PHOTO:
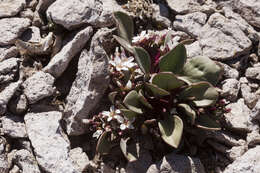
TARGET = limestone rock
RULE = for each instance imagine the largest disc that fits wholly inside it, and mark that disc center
(253, 138)
(25, 160)
(193, 49)
(8, 69)
(249, 96)
(10, 8)
(13, 126)
(80, 159)
(249, 10)
(229, 72)
(222, 39)
(38, 86)
(7, 94)
(189, 6)
(256, 111)
(11, 29)
(173, 163)
(247, 163)
(75, 13)
(253, 73)
(51, 145)
(4, 167)
(239, 116)
(60, 61)
(91, 81)
(8, 52)
(230, 89)
(190, 23)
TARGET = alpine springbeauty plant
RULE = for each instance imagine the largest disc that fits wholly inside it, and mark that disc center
(155, 87)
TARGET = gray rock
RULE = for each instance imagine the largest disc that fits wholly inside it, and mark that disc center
(43, 5)
(189, 6)
(222, 39)
(253, 138)
(60, 61)
(190, 23)
(7, 94)
(161, 14)
(230, 89)
(242, 23)
(27, 13)
(247, 163)
(193, 49)
(229, 72)
(253, 73)
(38, 86)
(51, 145)
(11, 29)
(256, 111)
(25, 160)
(249, 10)
(249, 96)
(18, 105)
(8, 70)
(173, 163)
(239, 116)
(75, 13)
(15, 169)
(13, 126)
(91, 81)
(8, 52)
(80, 159)
(4, 167)
(32, 34)
(10, 8)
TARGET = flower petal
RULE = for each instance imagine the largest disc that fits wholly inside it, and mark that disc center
(105, 113)
(122, 126)
(119, 118)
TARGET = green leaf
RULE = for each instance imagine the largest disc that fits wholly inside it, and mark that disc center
(143, 59)
(124, 43)
(187, 110)
(167, 81)
(104, 144)
(131, 101)
(143, 100)
(128, 114)
(156, 91)
(129, 156)
(202, 93)
(125, 25)
(174, 60)
(202, 69)
(171, 129)
(206, 122)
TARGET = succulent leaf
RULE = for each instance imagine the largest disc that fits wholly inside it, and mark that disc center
(174, 60)
(124, 43)
(156, 91)
(202, 93)
(171, 129)
(202, 69)
(168, 37)
(167, 81)
(143, 59)
(187, 110)
(143, 100)
(206, 122)
(131, 101)
(128, 113)
(125, 25)
(124, 148)
(103, 145)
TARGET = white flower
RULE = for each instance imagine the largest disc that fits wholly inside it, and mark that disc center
(113, 114)
(97, 133)
(127, 124)
(121, 61)
(140, 37)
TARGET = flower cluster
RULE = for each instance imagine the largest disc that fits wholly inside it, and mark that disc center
(110, 121)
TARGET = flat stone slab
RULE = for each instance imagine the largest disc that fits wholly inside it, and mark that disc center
(51, 145)
(11, 29)
(10, 8)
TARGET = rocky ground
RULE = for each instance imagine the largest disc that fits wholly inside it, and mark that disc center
(53, 77)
